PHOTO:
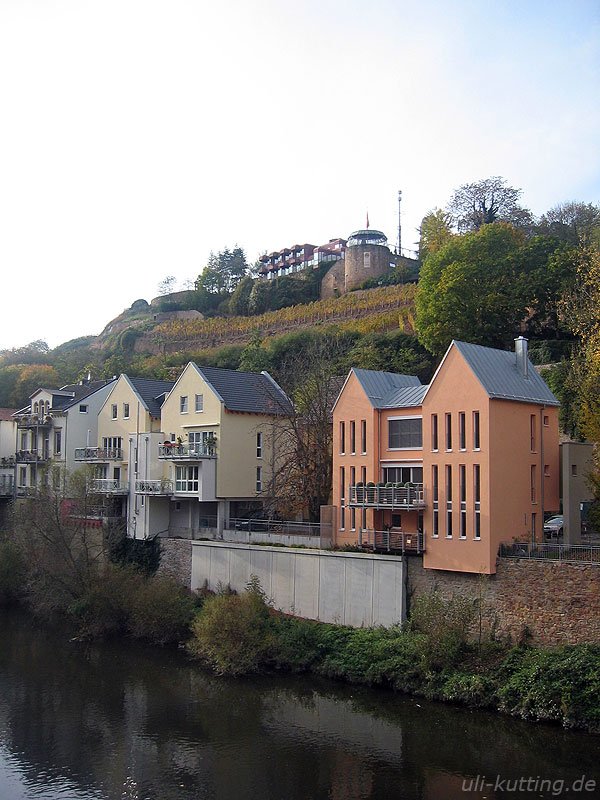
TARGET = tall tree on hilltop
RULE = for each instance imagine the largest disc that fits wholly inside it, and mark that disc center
(575, 223)
(223, 271)
(486, 201)
(436, 231)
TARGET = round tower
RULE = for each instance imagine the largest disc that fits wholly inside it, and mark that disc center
(367, 256)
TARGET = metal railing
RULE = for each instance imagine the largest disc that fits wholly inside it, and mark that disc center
(155, 487)
(28, 456)
(276, 526)
(392, 541)
(388, 495)
(7, 461)
(98, 454)
(186, 451)
(108, 486)
(32, 421)
(564, 553)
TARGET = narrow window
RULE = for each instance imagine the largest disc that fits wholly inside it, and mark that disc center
(353, 519)
(259, 479)
(448, 431)
(363, 436)
(57, 442)
(462, 491)
(435, 492)
(342, 438)
(353, 437)
(462, 432)
(183, 404)
(547, 471)
(434, 431)
(113, 411)
(546, 421)
(532, 432)
(363, 475)
(449, 501)
(259, 444)
(352, 476)
(125, 410)
(476, 431)
(477, 499)
(573, 470)
(533, 484)
(342, 484)
(199, 402)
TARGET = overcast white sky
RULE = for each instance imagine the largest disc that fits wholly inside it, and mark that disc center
(136, 135)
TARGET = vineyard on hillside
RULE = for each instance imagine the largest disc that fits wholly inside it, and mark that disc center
(385, 308)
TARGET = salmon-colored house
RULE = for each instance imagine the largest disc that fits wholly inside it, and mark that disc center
(452, 469)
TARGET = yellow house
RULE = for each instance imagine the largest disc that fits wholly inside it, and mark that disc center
(217, 448)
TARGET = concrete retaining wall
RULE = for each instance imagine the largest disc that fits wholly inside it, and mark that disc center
(354, 589)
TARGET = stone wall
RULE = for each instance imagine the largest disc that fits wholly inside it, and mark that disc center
(176, 560)
(553, 603)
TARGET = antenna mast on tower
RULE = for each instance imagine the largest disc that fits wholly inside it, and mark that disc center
(399, 222)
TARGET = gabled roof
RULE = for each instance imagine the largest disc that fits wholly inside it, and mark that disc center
(499, 375)
(151, 392)
(380, 386)
(405, 398)
(7, 413)
(250, 392)
(77, 393)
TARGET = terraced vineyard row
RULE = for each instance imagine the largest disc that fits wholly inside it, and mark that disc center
(371, 310)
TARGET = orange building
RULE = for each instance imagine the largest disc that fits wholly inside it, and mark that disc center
(452, 469)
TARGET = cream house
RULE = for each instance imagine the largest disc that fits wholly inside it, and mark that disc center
(217, 448)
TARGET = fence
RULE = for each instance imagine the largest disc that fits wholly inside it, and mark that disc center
(392, 541)
(568, 554)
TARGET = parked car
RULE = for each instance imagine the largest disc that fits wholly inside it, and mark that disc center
(553, 527)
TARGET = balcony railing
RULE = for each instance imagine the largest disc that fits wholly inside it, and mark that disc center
(33, 421)
(157, 487)
(565, 553)
(7, 486)
(7, 461)
(108, 486)
(387, 495)
(186, 452)
(32, 456)
(98, 454)
(392, 541)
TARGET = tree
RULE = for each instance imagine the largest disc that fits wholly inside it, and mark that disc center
(486, 201)
(469, 290)
(436, 231)
(167, 285)
(575, 223)
(239, 300)
(223, 271)
(32, 377)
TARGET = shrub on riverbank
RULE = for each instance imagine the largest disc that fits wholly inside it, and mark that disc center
(12, 572)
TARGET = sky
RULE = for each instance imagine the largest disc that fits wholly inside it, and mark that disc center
(137, 136)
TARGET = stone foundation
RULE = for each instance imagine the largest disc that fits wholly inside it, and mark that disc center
(549, 602)
(176, 560)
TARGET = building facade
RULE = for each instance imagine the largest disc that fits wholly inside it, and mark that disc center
(454, 468)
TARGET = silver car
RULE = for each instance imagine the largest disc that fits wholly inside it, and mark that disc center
(553, 527)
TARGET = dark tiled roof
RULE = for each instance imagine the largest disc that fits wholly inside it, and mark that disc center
(497, 372)
(79, 392)
(380, 386)
(152, 392)
(251, 392)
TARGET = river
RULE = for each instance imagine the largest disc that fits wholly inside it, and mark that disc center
(118, 720)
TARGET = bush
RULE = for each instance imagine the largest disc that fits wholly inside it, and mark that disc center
(103, 609)
(12, 573)
(446, 625)
(233, 634)
(161, 611)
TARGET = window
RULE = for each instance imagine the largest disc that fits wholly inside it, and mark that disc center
(408, 474)
(342, 498)
(259, 485)
(83, 409)
(353, 519)
(449, 501)
(367, 260)
(22, 476)
(476, 431)
(187, 479)
(353, 437)
(57, 442)
(113, 411)
(573, 470)
(546, 421)
(363, 474)
(532, 432)
(547, 470)
(434, 431)
(183, 404)
(533, 484)
(435, 492)
(199, 402)
(462, 431)
(352, 476)
(448, 431)
(462, 492)
(112, 445)
(125, 410)
(342, 438)
(259, 445)
(477, 499)
(405, 433)
(23, 440)
(363, 436)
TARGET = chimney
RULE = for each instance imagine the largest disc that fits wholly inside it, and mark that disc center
(521, 356)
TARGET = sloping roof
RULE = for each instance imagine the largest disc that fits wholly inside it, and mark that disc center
(405, 398)
(250, 392)
(78, 392)
(6, 413)
(381, 386)
(497, 372)
(151, 392)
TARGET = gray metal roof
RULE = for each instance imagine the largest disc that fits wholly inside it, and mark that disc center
(497, 372)
(80, 392)
(380, 386)
(405, 398)
(152, 392)
(250, 392)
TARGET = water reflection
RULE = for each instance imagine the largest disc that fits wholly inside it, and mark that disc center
(113, 721)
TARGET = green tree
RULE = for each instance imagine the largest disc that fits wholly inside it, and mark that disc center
(486, 201)
(223, 271)
(239, 300)
(436, 231)
(575, 223)
(469, 290)
(32, 377)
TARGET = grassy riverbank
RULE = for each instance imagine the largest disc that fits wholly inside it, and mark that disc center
(433, 656)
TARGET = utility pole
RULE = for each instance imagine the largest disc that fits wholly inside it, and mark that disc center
(399, 222)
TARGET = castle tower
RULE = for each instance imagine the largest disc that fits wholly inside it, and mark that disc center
(367, 256)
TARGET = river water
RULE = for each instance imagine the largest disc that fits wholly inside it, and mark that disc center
(121, 721)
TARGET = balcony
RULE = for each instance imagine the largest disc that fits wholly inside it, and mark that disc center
(108, 486)
(186, 452)
(159, 488)
(98, 454)
(7, 486)
(399, 496)
(32, 456)
(392, 541)
(33, 421)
